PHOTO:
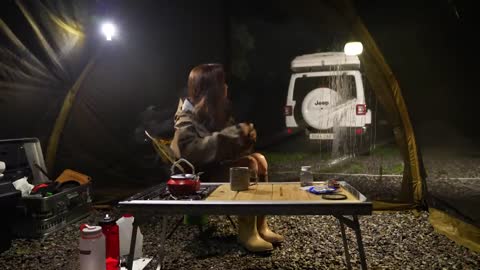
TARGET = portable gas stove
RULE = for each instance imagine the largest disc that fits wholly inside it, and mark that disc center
(160, 193)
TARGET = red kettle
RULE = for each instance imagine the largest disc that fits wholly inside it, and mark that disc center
(184, 183)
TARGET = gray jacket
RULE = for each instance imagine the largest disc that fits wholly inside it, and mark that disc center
(194, 142)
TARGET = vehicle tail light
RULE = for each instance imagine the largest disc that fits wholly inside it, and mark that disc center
(288, 110)
(289, 131)
(358, 131)
(361, 109)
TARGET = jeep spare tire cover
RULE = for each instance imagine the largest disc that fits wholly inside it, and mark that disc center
(318, 106)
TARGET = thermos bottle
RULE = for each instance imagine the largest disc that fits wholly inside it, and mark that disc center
(92, 248)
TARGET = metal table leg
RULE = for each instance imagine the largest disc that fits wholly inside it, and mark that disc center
(345, 245)
(358, 233)
(133, 240)
(233, 223)
(161, 254)
(175, 228)
(354, 225)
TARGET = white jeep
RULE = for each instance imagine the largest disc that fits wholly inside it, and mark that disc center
(326, 98)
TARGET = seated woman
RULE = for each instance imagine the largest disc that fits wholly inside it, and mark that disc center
(206, 135)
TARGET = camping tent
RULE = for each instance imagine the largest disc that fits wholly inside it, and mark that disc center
(68, 86)
(62, 83)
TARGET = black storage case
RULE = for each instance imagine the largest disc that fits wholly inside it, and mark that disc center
(36, 216)
(9, 198)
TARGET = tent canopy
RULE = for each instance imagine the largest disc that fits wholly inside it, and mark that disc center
(82, 96)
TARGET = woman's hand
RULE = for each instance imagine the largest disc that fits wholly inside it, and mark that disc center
(248, 131)
(253, 134)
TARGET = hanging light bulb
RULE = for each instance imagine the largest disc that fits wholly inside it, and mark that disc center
(353, 48)
(109, 30)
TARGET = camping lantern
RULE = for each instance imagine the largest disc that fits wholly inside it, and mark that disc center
(353, 48)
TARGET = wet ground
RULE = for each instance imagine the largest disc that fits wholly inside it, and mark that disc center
(452, 164)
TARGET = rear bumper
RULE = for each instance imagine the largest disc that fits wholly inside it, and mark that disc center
(330, 134)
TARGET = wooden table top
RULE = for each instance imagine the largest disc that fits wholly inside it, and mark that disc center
(272, 198)
(273, 192)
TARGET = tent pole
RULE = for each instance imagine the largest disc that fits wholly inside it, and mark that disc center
(388, 91)
(63, 115)
(413, 183)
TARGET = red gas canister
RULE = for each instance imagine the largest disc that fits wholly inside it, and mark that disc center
(112, 243)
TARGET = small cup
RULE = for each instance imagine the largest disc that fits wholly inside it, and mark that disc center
(239, 178)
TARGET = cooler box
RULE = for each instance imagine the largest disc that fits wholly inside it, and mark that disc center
(36, 215)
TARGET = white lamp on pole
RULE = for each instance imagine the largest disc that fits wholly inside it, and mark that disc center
(353, 48)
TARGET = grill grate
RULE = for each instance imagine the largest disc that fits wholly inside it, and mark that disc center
(161, 193)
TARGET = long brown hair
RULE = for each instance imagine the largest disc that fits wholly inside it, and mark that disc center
(206, 90)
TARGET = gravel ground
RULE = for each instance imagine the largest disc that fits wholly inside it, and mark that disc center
(453, 175)
(392, 241)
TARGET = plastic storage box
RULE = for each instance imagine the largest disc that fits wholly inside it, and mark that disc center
(37, 216)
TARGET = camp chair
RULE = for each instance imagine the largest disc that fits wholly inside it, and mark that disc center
(162, 148)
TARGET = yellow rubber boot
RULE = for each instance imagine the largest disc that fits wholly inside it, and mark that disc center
(265, 232)
(248, 236)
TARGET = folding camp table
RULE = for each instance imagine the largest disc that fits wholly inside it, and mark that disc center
(262, 199)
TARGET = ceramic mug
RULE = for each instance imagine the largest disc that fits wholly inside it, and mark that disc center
(239, 178)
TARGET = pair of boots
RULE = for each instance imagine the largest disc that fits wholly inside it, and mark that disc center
(255, 235)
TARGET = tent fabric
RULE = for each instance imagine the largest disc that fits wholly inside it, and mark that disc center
(63, 117)
(463, 233)
(389, 95)
(47, 58)
(392, 206)
(388, 92)
(40, 65)
(52, 81)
